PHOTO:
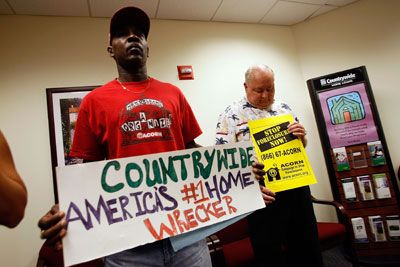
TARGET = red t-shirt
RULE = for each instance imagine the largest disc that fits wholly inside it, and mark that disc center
(152, 117)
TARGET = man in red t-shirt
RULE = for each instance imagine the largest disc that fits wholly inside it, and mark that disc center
(129, 116)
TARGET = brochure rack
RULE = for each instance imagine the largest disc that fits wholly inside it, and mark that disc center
(357, 158)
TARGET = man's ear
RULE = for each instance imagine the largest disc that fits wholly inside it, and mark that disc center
(245, 85)
(110, 51)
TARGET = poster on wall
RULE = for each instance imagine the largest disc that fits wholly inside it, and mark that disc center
(348, 116)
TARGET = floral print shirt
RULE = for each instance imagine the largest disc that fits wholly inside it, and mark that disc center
(232, 123)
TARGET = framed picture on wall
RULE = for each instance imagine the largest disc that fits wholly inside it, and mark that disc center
(62, 109)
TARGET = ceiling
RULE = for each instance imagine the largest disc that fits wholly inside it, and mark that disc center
(274, 12)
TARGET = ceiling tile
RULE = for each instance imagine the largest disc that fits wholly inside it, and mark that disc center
(340, 2)
(243, 11)
(5, 8)
(323, 10)
(106, 8)
(50, 7)
(187, 9)
(277, 12)
(316, 2)
(289, 13)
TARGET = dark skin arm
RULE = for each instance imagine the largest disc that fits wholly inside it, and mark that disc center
(13, 194)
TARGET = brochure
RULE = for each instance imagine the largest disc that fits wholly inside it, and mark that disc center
(365, 187)
(381, 184)
(342, 161)
(377, 228)
(393, 226)
(360, 234)
(376, 153)
(348, 189)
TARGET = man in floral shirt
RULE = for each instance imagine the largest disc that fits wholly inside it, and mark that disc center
(284, 233)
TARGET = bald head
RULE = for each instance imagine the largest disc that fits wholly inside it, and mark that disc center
(260, 86)
(251, 71)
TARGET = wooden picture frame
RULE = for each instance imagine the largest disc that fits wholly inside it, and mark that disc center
(62, 110)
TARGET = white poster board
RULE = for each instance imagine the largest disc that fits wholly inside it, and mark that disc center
(119, 204)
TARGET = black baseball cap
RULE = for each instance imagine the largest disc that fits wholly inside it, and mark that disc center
(129, 16)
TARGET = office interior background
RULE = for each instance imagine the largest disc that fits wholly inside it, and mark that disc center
(40, 52)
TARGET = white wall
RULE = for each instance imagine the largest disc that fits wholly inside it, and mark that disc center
(220, 54)
(46, 52)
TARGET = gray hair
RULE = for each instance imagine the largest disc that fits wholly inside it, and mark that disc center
(250, 71)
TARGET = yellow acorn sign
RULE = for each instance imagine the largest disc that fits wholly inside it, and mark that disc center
(283, 154)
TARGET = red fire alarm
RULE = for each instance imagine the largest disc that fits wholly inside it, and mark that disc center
(185, 72)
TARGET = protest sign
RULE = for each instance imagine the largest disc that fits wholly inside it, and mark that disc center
(283, 154)
(119, 204)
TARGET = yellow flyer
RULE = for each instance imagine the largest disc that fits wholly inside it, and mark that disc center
(283, 154)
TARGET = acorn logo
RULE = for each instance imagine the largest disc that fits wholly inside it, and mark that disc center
(273, 174)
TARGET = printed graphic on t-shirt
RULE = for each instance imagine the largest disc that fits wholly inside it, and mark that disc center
(145, 120)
